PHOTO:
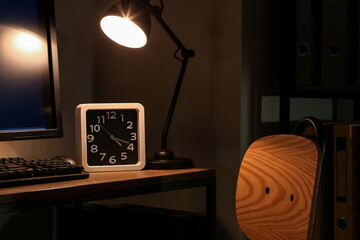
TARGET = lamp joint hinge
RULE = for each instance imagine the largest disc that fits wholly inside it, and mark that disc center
(187, 53)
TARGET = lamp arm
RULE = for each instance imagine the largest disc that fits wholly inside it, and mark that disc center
(156, 12)
(186, 54)
(173, 103)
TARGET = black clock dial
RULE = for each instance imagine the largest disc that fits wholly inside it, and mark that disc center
(112, 137)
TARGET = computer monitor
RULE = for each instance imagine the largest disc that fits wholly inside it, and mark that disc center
(29, 74)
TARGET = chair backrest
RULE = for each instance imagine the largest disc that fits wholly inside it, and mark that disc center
(277, 187)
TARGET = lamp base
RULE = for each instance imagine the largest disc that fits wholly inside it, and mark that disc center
(166, 160)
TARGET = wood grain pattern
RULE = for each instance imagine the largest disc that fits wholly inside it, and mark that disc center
(275, 187)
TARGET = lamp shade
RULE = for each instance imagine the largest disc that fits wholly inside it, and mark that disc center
(127, 23)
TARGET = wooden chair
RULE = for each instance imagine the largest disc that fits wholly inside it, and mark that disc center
(277, 187)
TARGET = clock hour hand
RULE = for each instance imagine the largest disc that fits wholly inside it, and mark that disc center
(118, 139)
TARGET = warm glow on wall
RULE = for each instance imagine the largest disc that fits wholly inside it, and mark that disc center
(23, 53)
(27, 42)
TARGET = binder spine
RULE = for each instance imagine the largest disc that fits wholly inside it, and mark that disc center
(346, 181)
(354, 54)
(356, 20)
(336, 42)
(305, 42)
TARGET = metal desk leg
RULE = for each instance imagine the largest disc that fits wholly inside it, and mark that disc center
(211, 210)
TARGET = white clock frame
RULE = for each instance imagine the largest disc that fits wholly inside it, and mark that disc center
(81, 136)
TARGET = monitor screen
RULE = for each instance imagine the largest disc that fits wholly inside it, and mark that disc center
(29, 77)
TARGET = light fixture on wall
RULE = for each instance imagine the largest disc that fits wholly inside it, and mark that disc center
(128, 23)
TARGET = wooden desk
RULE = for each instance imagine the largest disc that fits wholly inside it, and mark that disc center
(100, 186)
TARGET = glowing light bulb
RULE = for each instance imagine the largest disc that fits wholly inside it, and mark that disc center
(27, 42)
(123, 31)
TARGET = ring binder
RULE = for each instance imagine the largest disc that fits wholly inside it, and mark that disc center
(335, 49)
(305, 42)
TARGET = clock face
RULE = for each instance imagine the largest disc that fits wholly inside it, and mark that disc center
(112, 137)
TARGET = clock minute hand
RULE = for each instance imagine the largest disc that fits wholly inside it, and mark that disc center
(105, 130)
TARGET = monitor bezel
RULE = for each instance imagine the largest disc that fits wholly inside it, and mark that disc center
(57, 130)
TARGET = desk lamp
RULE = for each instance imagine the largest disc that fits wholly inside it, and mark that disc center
(128, 23)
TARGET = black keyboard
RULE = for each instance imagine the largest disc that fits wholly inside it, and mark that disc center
(19, 171)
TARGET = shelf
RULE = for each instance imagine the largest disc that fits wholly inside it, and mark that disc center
(328, 88)
(322, 91)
